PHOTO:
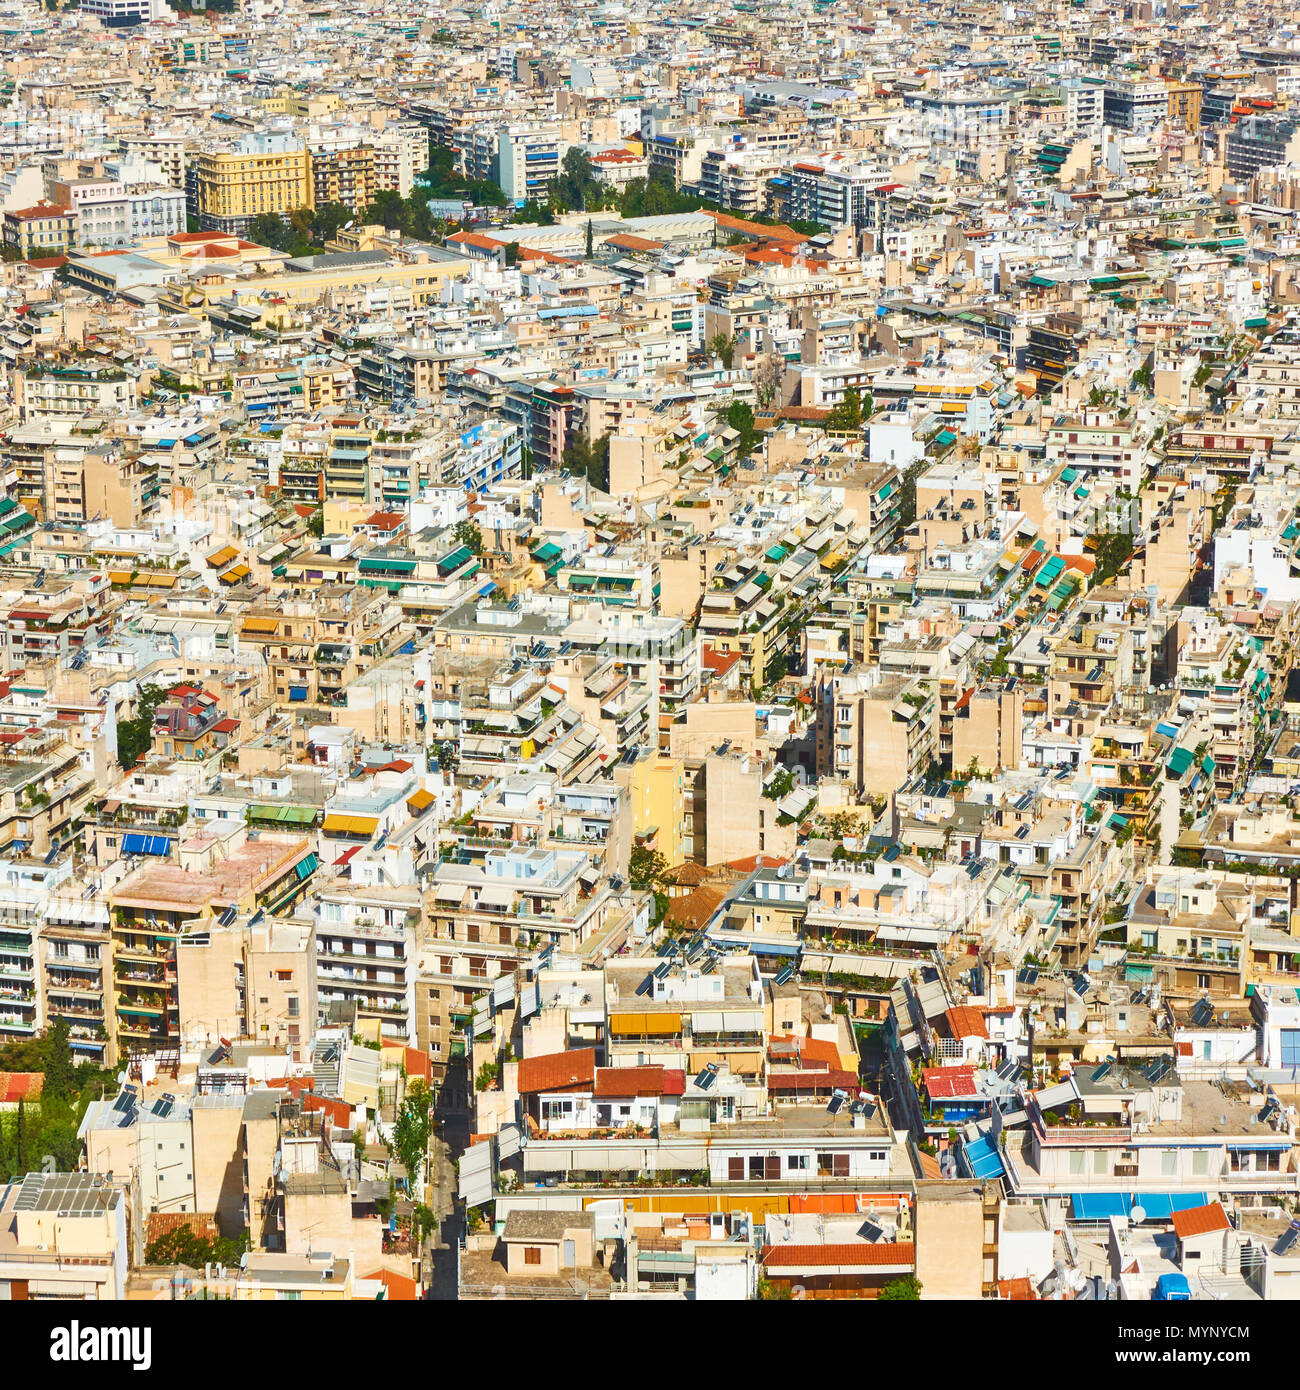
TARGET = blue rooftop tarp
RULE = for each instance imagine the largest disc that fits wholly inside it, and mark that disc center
(984, 1159)
(1099, 1206)
(297, 692)
(772, 948)
(1156, 1206)
(1160, 1206)
(146, 844)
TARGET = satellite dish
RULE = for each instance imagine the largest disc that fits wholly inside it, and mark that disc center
(1138, 1215)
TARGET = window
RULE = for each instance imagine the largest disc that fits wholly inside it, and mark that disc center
(1076, 1162)
(1290, 1047)
(796, 1163)
(735, 1170)
(292, 1004)
(832, 1165)
(1168, 1163)
(1100, 1163)
(1200, 1163)
(532, 1254)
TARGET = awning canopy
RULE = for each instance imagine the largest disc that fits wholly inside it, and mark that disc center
(338, 824)
(146, 844)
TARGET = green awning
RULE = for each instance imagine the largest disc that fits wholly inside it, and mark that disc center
(547, 552)
(305, 867)
(455, 560)
(371, 564)
(1207, 766)
(1068, 475)
(714, 456)
(776, 553)
(1180, 760)
(944, 438)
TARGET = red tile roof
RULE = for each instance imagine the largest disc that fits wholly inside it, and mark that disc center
(398, 1288)
(339, 1111)
(558, 1071)
(1018, 1290)
(965, 1022)
(20, 1085)
(816, 1054)
(811, 1081)
(1201, 1221)
(883, 1252)
(943, 1083)
(629, 1081)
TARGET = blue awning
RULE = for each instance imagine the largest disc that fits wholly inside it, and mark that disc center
(771, 948)
(984, 1159)
(306, 867)
(297, 692)
(407, 648)
(1160, 1206)
(1169, 730)
(488, 588)
(1099, 1206)
(146, 844)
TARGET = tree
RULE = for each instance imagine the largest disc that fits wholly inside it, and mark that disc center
(135, 735)
(848, 414)
(647, 869)
(411, 1131)
(390, 210)
(326, 220)
(468, 535)
(767, 377)
(535, 215)
(316, 523)
(740, 416)
(904, 1290)
(59, 1079)
(1113, 550)
(588, 460)
(720, 345)
(590, 238)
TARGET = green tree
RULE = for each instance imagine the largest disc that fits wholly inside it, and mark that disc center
(590, 239)
(60, 1081)
(535, 214)
(740, 416)
(468, 535)
(720, 345)
(904, 1290)
(411, 1131)
(647, 869)
(316, 523)
(135, 735)
(591, 461)
(848, 414)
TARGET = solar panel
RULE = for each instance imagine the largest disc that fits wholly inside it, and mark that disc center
(162, 1108)
(1102, 1072)
(1203, 1013)
(709, 966)
(1008, 1071)
(836, 1103)
(1028, 976)
(1082, 984)
(784, 975)
(1022, 832)
(228, 916)
(706, 1078)
(662, 969)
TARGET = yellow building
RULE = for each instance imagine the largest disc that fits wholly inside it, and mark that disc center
(343, 176)
(234, 187)
(656, 786)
